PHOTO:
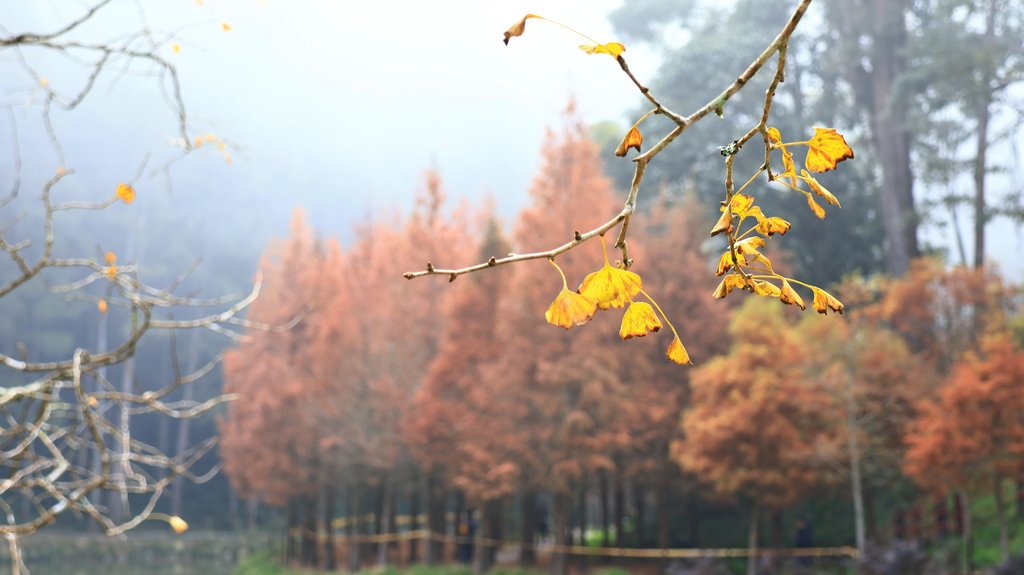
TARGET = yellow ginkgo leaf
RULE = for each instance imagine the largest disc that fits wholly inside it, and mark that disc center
(102, 306)
(176, 47)
(125, 192)
(611, 287)
(741, 204)
(638, 320)
(774, 136)
(613, 49)
(92, 402)
(773, 225)
(750, 245)
(724, 223)
(178, 524)
(110, 258)
(824, 301)
(677, 353)
(225, 26)
(632, 139)
(819, 189)
(766, 288)
(518, 28)
(789, 166)
(790, 297)
(725, 262)
(570, 308)
(826, 149)
(728, 283)
(815, 207)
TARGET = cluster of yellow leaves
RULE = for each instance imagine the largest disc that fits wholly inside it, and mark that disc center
(826, 149)
(746, 266)
(612, 287)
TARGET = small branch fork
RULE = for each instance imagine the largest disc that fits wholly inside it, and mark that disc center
(717, 105)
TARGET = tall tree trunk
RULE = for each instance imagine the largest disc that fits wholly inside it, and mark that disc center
(875, 90)
(855, 479)
(308, 553)
(560, 531)
(619, 509)
(328, 563)
(435, 519)
(1004, 532)
(968, 536)
(355, 511)
(495, 530)
(414, 520)
(527, 528)
(290, 550)
(1020, 491)
(984, 117)
(661, 511)
(479, 536)
(778, 527)
(252, 513)
(605, 519)
(641, 519)
(581, 505)
(693, 517)
(752, 540)
(384, 524)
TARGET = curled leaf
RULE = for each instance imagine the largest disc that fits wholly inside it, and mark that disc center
(638, 320)
(725, 262)
(790, 297)
(766, 288)
(826, 149)
(613, 49)
(518, 28)
(677, 353)
(773, 225)
(824, 301)
(632, 139)
(789, 166)
(774, 136)
(819, 189)
(724, 224)
(728, 283)
(815, 207)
